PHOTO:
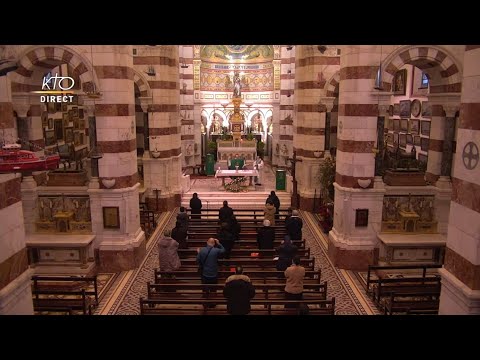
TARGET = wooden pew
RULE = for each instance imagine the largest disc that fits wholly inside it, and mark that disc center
(46, 282)
(419, 285)
(240, 252)
(62, 301)
(382, 271)
(218, 307)
(215, 291)
(426, 302)
(239, 214)
(256, 276)
(242, 244)
(249, 263)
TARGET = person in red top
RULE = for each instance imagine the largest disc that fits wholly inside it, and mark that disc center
(294, 275)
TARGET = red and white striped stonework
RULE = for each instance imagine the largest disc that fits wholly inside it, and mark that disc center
(357, 115)
(15, 293)
(190, 131)
(461, 273)
(163, 171)
(283, 132)
(7, 121)
(332, 90)
(115, 115)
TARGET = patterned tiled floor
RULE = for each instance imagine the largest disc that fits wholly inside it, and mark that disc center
(349, 293)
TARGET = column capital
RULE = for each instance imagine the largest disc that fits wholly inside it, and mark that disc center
(450, 110)
(89, 105)
(328, 102)
(21, 109)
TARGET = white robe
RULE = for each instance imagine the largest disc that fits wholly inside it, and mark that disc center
(258, 164)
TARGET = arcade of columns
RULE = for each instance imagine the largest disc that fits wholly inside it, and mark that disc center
(326, 99)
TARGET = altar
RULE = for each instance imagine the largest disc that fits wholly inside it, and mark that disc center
(234, 173)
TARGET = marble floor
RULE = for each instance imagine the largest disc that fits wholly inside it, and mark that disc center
(123, 296)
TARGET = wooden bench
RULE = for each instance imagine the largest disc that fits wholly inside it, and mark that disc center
(256, 276)
(426, 302)
(62, 301)
(218, 307)
(242, 244)
(244, 253)
(214, 291)
(239, 214)
(248, 263)
(381, 271)
(387, 286)
(52, 293)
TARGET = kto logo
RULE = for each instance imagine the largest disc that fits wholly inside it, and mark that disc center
(56, 85)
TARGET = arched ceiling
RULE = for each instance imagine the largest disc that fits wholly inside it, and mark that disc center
(236, 53)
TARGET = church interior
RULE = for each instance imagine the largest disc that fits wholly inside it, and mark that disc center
(372, 149)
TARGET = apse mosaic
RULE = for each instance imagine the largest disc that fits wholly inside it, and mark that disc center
(222, 80)
(243, 53)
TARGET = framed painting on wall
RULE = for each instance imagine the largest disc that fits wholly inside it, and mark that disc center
(400, 82)
(405, 108)
(395, 138)
(396, 124)
(425, 130)
(414, 126)
(50, 137)
(111, 217)
(396, 109)
(69, 134)
(404, 125)
(59, 129)
(416, 140)
(426, 109)
(361, 217)
(424, 143)
(402, 140)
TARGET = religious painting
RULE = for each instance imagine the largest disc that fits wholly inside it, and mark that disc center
(111, 217)
(426, 109)
(59, 129)
(75, 112)
(64, 107)
(414, 126)
(409, 139)
(400, 82)
(80, 113)
(50, 137)
(404, 125)
(69, 134)
(390, 110)
(416, 140)
(361, 217)
(396, 124)
(405, 108)
(76, 124)
(425, 128)
(81, 124)
(66, 120)
(402, 140)
(424, 143)
(396, 109)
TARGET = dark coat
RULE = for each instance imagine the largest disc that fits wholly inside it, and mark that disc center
(183, 219)
(238, 290)
(236, 228)
(286, 252)
(180, 235)
(276, 202)
(196, 205)
(265, 237)
(225, 214)
(227, 239)
(294, 227)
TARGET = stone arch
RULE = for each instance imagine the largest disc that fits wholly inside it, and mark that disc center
(444, 70)
(332, 85)
(142, 83)
(36, 60)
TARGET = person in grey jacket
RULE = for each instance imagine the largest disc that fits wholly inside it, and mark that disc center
(182, 217)
(167, 253)
(207, 259)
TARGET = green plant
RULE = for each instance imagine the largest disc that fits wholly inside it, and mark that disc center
(327, 178)
(260, 148)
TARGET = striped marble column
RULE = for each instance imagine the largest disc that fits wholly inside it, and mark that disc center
(461, 273)
(35, 130)
(353, 247)
(15, 290)
(163, 168)
(121, 245)
(283, 127)
(8, 132)
(310, 119)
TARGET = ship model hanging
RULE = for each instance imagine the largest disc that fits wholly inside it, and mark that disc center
(13, 159)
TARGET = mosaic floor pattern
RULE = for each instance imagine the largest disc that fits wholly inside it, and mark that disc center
(350, 296)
